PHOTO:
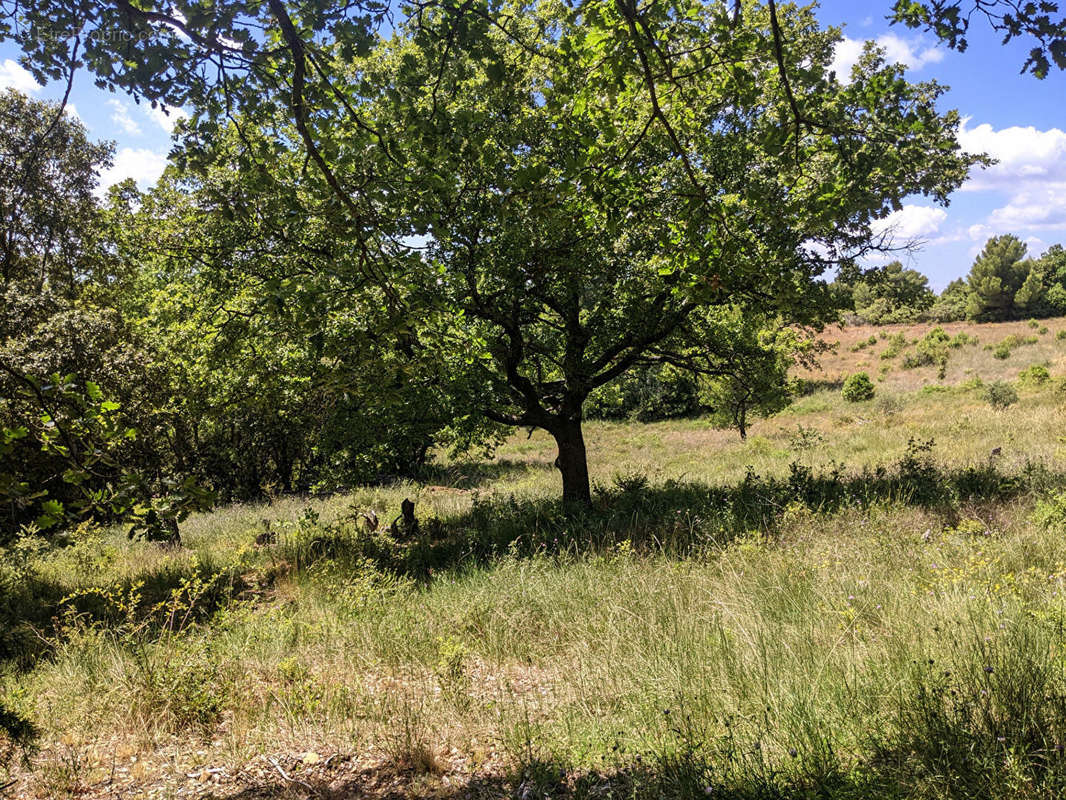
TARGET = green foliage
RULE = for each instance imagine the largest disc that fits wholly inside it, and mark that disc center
(48, 171)
(891, 294)
(572, 237)
(657, 391)
(1050, 512)
(1035, 375)
(951, 305)
(68, 460)
(857, 388)
(754, 379)
(995, 277)
(896, 344)
(931, 349)
(1000, 395)
(1039, 25)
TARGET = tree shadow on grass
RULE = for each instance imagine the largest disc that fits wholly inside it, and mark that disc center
(475, 474)
(676, 518)
(170, 595)
(684, 518)
(686, 774)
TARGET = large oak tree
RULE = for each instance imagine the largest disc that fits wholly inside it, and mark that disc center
(544, 195)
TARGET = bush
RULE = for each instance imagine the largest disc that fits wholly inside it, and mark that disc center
(931, 349)
(1050, 512)
(896, 343)
(1036, 375)
(857, 388)
(1060, 335)
(1001, 351)
(1000, 395)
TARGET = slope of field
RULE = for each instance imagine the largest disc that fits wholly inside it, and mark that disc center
(861, 600)
(854, 352)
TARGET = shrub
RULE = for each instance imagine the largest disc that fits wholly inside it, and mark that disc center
(1001, 351)
(1050, 513)
(1000, 395)
(858, 387)
(1043, 330)
(1035, 375)
(934, 388)
(1060, 335)
(931, 349)
(1033, 324)
(896, 343)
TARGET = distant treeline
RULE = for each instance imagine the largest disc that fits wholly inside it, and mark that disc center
(1003, 284)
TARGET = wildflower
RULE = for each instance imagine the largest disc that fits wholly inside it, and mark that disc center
(708, 790)
(989, 670)
(792, 751)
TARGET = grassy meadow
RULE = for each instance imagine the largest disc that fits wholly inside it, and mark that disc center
(860, 600)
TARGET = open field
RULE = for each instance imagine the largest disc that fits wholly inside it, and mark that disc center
(834, 607)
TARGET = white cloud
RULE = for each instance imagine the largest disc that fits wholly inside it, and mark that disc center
(166, 121)
(121, 117)
(13, 76)
(898, 50)
(910, 223)
(1030, 171)
(143, 165)
(1036, 208)
(71, 111)
(1025, 155)
(1036, 246)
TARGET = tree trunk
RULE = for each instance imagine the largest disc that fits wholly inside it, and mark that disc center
(572, 464)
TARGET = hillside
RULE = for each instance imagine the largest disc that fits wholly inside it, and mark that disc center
(853, 352)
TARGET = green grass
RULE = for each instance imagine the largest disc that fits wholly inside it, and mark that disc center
(862, 619)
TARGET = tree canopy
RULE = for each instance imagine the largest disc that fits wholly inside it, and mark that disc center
(523, 201)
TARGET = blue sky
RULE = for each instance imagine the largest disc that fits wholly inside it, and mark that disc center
(1016, 118)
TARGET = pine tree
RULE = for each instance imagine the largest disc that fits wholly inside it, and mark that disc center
(995, 278)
